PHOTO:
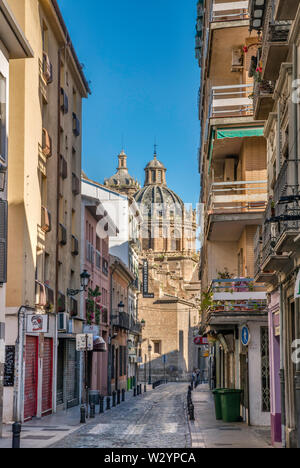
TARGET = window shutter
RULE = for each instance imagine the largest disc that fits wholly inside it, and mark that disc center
(125, 360)
(3, 242)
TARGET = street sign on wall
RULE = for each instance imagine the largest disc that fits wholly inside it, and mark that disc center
(85, 342)
(245, 335)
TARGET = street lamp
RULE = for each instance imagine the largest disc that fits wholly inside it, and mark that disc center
(3, 170)
(149, 351)
(121, 307)
(84, 282)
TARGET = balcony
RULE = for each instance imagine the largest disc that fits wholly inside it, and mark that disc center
(271, 261)
(275, 43)
(229, 11)
(75, 246)
(135, 327)
(237, 197)
(287, 209)
(235, 299)
(47, 69)
(62, 235)
(76, 125)
(63, 167)
(286, 9)
(46, 225)
(259, 275)
(73, 308)
(231, 101)
(61, 302)
(46, 144)
(64, 101)
(263, 102)
(121, 320)
(75, 185)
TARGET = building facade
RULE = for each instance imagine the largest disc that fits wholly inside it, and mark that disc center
(169, 274)
(276, 103)
(13, 46)
(44, 209)
(233, 168)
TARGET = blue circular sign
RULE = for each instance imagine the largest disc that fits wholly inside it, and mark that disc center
(245, 336)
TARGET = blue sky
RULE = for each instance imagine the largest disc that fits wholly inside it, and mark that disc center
(139, 56)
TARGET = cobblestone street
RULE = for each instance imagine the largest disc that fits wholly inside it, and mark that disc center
(154, 420)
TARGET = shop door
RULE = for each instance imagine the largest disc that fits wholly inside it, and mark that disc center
(60, 373)
(72, 381)
(31, 377)
(47, 377)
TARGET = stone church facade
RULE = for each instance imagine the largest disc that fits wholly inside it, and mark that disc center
(168, 305)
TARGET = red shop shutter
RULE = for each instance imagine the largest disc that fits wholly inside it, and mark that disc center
(31, 377)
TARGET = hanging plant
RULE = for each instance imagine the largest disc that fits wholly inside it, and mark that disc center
(91, 310)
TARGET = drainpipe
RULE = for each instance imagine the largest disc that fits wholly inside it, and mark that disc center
(282, 373)
(295, 116)
(18, 404)
(62, 48)
(296, 143)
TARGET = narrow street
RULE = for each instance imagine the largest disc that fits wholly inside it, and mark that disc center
(155, 420)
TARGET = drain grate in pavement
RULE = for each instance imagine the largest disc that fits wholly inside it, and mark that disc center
(223, 445)
(33, 437)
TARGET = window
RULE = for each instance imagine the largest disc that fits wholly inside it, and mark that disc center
(157, 347)
(265, 370)
(3, 118)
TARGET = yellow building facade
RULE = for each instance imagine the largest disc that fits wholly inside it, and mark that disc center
(44, 213)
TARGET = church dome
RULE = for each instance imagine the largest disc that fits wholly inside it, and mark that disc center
(122, 180)
(155, 190)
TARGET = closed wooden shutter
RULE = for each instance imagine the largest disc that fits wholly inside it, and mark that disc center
(3, 242)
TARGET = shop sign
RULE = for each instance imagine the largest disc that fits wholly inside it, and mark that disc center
(91, 330)
(37, 323)
(297, 286)
(200, 341)
(146, 293)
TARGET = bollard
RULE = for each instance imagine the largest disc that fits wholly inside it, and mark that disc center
(101, 409)
(123, 394)
(16, 430)
(192, 412)
(108, 403)
(114, 399)
(141, 389)
(138, 390)
(82, 415)
(92, 411)
(145, 388)
(119, 397)
(134, 392)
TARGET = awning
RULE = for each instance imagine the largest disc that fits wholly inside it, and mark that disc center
(99, 345)
(240, 132)
(222, 133)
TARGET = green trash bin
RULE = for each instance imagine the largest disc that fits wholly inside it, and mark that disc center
(231, 405)
(218, 406)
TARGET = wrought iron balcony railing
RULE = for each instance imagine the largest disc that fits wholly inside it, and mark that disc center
(286, 198)
(120, 320)
(269, 233)
(263, 99)
(257, 251)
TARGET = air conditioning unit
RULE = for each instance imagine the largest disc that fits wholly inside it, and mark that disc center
(63, 322)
